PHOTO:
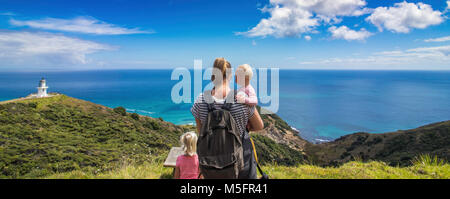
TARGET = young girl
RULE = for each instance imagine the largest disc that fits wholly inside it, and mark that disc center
(187, 164)
(246, 94)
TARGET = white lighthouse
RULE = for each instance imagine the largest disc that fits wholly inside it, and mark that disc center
(42, 89)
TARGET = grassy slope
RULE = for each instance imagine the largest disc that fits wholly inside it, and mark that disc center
(147, 170)
(39, 137)
(350, 170)
(360, 170)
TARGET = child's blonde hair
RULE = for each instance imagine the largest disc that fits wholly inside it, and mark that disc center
(243, 75)
(246, 69)
(189, 143)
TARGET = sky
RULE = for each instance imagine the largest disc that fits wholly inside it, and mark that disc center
(59, 35)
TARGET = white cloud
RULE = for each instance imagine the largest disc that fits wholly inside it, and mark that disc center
(334, 8)
(307, 37)
(417, 58)
(431, 51)
(293, 17)
(87, 25)
(404, 16)
(290, 58)
(440, 39)
(348, 34)
(29, 48)
(448, 6)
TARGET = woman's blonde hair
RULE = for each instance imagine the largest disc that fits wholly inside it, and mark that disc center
(189, 143)
(221, 65)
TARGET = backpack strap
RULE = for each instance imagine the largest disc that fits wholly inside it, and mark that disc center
(211, 107)
(264, 175)
(229, 100)
(207, 97)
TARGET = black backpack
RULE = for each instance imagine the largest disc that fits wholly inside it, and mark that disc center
(219, 146)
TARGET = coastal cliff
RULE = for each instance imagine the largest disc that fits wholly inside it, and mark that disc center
(278, 130)
(395, 148)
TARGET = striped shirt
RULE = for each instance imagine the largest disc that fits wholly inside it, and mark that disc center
(241, 113)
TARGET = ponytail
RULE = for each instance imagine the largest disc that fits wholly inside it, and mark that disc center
(189, 143)
(222, 65)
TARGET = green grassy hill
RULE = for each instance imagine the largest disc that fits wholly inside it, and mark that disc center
(41, 137)
(362, 170)
(424, 168)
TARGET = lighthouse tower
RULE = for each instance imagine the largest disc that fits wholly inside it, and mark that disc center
(42, 89)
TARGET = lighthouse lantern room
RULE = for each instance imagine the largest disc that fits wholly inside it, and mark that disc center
(42, 89)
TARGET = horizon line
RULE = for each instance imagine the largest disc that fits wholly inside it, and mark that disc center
(191, 68)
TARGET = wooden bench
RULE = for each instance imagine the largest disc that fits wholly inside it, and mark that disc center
(171, 159)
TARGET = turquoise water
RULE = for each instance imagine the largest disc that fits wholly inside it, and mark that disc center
(320, 104)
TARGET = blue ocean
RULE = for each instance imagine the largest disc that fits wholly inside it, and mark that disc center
(322, 105)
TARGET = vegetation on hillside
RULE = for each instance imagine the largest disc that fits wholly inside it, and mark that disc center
(60, 134)
(397, 148)
(360, 170)
(63, 137)
(268, 151)
(39, 137)
(127, 170)
(279, 131)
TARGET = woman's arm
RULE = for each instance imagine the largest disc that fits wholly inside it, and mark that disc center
(252, 99)
(256, 122)
(199, 125)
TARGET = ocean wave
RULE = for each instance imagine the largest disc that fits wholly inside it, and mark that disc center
(139, 111)
(293, 128)
(322, 140)
(148, 112)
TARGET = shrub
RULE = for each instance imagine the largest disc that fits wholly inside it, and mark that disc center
(32, 104)
(374, 141)
(428, 160)
(120, 110)
(152, 125)
(135, 116)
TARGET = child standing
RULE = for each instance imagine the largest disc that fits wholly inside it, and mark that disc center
(187, 166)
(246, 94)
